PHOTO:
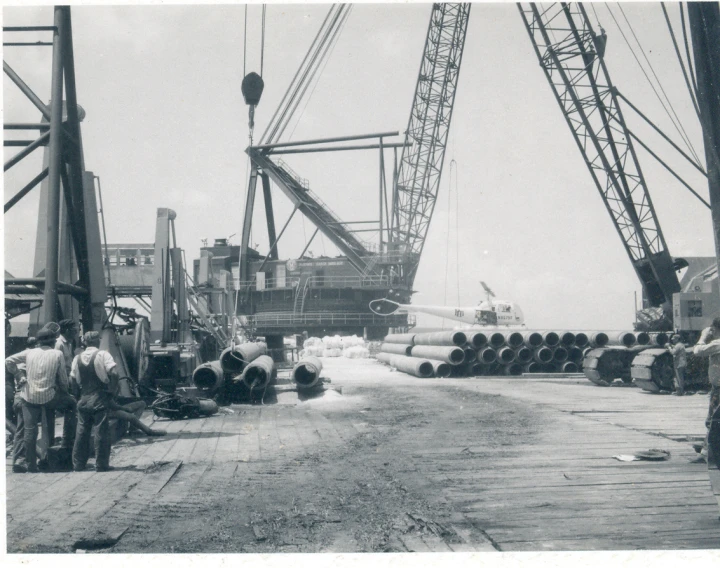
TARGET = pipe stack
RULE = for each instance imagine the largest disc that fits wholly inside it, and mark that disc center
(212, 376)
(510, 352)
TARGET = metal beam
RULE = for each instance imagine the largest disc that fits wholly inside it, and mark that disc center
(247, 224)
(269, 215)
(27, 91)
(323, 140)
(55, 163)
(342, 148)
(62, 287)
(25, 190)
(41, 141)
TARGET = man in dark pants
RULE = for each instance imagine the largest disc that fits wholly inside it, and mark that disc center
(18, 445)
(45, 387)
(91, 370)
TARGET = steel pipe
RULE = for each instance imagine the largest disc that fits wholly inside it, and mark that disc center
(551, 367)
(506, 355)
(659, 339)
(625, 338)
(550, 338)
(470, 355)
(487, 355)
(441, 369)
(533, 367)
(513, 369)
(476, 340)
(543, 354)
(575, 354)
(385, 358)
(396, 348)
(497, 339)
(234, 361)
(463, 370)
(523, 354)
(451, 355)
(209, 376)
(405, 338)
(599, 339)
(560, 354)
(438, 338)
(533, 339)
(642, 337)
(581, 339)
(478, 369)
(259, 373)
(306, 372)
(569, 367)
(421, 368)
(567, 338)
(514, 339)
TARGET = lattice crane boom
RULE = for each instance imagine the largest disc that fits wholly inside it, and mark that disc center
(421, 164)
(571, 54)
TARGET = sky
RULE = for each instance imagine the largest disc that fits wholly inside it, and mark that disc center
(166, 126)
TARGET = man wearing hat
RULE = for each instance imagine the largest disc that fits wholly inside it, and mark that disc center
(91, 370)
(677, 348)
(43, 386)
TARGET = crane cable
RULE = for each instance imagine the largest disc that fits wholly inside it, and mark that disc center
(262, 40)
(680, 59)
(679, 128)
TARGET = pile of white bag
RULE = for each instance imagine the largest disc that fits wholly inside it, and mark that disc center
(352, 347)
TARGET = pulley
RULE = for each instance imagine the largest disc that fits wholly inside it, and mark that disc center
(252, 88)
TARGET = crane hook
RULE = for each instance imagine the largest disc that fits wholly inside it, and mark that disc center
(252, 88)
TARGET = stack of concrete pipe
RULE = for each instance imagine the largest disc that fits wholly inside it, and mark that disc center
(245, 363)
(502, 351)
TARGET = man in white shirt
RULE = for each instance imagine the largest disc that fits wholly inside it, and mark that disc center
(43, 385)
(709, 346)
(64, 342)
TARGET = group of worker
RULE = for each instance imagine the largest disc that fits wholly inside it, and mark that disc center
(707, 346)
(49, 376)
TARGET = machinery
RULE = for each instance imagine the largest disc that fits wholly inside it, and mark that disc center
(331, 295)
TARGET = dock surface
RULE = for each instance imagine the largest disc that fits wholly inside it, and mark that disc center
(394, 464)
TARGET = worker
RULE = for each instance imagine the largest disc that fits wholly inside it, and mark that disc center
(64, 343)
(709, 346)
(91, 371)
(131, 413)
(677, 348)
(44, 387)
(19, 465)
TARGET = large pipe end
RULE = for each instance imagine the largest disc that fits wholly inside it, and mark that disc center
(442, 370)
(497, 340)
(627, 339)
(569, 367)
(478, 340)
(506, 355)
(487, 355)
(456, 356)
(514, 339)
(232, 362)
(600, 339)
(642, 337)
(560, 354)
(567, 338)
(207, 377)
(459, 338)
(551, 338)
(470, 355)
(524, 355)
(514, 369)
(581, 339)
(533, 339)
(425, 369)
(544, 355)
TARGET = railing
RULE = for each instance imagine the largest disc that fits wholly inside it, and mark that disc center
(324, 318)
(270, 283)
(347, 281)
(301, 180)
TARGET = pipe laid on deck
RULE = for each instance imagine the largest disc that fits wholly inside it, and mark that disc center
(441, 369)
(513, 370)
(543, 354)
(599, 339)
(449, 354)
(396, 348)
(487, 355)
(259, 373)
(533, 367)
(478, 369)
(306, 372)
(506, 355)
(625, 338)
(444, 338)
(550, 338)
(659, 339)
(551, 367)
(575, 354)
(406, 338)
(497, 339)
(533, 339)
(523, 354)
(642, 337)
(514, 339)
(569, 367)
(233, 361)
(476, 339)
(421, 368)
(581, 339)
(567, 338)
(560, 354)
(209, 376)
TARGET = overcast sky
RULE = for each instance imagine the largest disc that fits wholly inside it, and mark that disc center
(166, 126)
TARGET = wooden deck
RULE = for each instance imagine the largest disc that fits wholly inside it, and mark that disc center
(545, 480)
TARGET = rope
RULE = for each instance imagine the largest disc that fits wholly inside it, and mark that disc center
(245, 40)
(262, 41)
(687, 49)
(682, 64)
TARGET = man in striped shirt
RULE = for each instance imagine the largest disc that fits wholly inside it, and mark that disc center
(44, 385)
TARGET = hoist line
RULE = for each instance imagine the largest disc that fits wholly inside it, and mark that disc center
(308, 62)
(263, 139)
(680, 60)
(652, 86)
(262, 42)
(687, 49)
(325, 60)
(245, 40)
(311, 71)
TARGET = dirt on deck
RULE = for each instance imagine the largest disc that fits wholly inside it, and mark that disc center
(393, 464)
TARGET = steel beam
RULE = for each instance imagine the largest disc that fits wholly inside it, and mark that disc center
(323, 140)
(247, 224)
(55, 163)
(41, 141)
(342, 148)
(25, 190)
(269, 215)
